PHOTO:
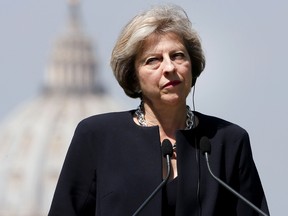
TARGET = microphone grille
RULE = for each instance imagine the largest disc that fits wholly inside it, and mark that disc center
(167, 148)
(205, 145)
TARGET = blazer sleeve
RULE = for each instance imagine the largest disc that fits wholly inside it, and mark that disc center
(76, 187)
(249, 182)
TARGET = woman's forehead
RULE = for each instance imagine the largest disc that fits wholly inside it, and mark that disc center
(151, 42)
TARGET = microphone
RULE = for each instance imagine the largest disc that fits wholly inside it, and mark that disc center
(167, 151)
(205, 147)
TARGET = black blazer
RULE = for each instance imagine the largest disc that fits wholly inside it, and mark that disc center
(113, 165)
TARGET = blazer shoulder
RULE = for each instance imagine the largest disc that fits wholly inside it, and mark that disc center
(219, 125)
(105, 120)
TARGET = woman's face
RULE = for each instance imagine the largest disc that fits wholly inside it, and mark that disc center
(164, 69)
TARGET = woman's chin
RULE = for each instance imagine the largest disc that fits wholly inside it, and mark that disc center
(173, 100)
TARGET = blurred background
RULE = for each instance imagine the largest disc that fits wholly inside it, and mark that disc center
(55, 71)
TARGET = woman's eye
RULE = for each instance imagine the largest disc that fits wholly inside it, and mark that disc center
(152, 61)
(178, 56)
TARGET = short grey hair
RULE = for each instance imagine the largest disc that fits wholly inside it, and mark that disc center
(160, 19)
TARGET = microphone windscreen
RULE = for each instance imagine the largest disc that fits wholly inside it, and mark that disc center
(167, 148)
(205, 145)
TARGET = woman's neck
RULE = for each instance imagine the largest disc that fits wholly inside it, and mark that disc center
(168, 118)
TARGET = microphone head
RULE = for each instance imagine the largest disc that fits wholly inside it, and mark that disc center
(205, 145)
(167, 148)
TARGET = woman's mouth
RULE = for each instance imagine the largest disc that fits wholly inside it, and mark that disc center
(172, 83)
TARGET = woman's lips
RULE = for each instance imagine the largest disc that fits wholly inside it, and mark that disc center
(172, 83)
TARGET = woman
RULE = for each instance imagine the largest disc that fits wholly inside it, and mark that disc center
(114, 161)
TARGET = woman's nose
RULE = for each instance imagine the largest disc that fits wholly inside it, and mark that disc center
(168, 65)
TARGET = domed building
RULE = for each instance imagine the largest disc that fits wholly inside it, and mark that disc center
(35, 137)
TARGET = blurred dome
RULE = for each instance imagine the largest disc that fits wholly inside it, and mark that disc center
(35, 137)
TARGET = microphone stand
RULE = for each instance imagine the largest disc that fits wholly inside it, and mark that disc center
(232, 190)
(158, 188)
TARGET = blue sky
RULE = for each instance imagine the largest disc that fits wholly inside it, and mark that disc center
(245, 80)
